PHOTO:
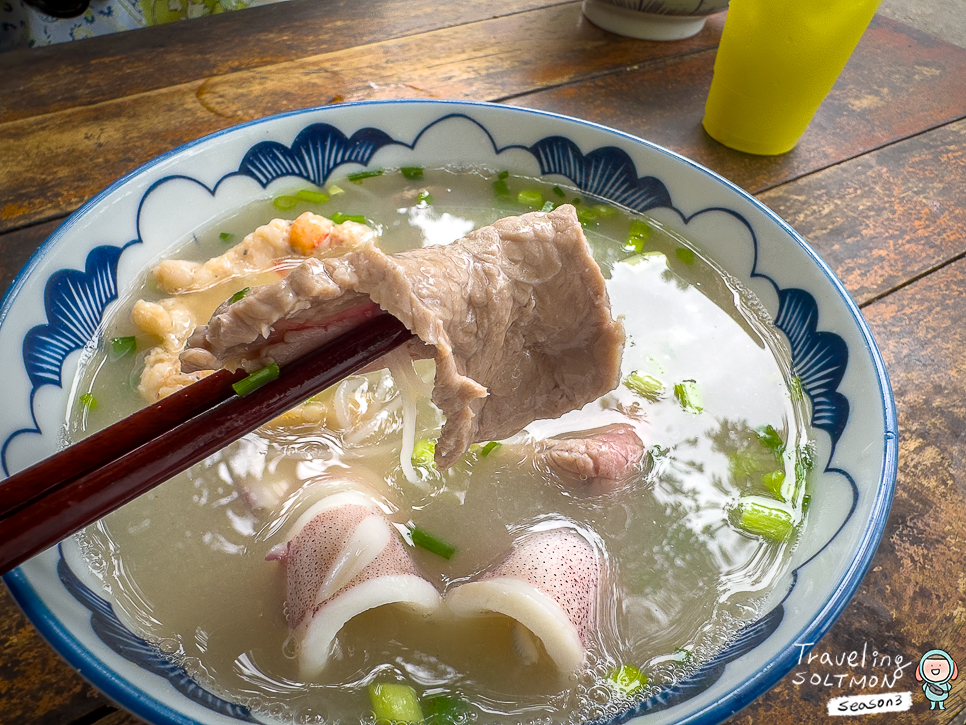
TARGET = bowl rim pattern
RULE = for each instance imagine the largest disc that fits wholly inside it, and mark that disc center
(555, 155)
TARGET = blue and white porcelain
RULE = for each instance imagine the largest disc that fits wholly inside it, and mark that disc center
(53, 309)
(652, 19)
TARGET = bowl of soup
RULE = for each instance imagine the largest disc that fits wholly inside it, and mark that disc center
(662, 553)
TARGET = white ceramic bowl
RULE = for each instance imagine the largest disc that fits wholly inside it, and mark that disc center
(53, 308)
(652, 19)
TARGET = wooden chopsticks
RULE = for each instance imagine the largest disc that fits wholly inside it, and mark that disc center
(60, 495)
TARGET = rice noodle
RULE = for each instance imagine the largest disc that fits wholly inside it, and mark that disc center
(358, 436)
(411, 388)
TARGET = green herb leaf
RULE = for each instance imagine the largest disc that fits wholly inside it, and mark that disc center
(339, 218)
(685, 255)
(424, 452)
(637, 236)
(644, 385)
(628, 679)
(284, 202)
(395, 703)
(88, 401)
(256, 380)
(445, 710)
(424, 197)
(770, 438)
(123, 346)
(688, 395)
(501, 188)
(806, 454)
(360, 176)
(530, 197)
(559, 192)
(315, 197)
(425, 540)
(769, 522)
(489, 448)
(412, 172)
(773, 482)
(238, 295)
(503, 175)
(226, 237)
(586, 215)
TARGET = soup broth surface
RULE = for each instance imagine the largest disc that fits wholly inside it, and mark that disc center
(186, 563)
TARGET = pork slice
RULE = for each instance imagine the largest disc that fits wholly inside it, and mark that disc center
(602, 458)
(516, 315)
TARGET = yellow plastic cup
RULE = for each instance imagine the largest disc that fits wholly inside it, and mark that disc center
(776, 62)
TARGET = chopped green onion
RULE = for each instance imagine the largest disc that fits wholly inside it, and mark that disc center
(412, 172)
(489, 448)
(689, 396)
(503, 175)
(425, 540)
(424, 197)
(559, 192)
(238, 295)
(334, 190)
(226, 237)
(501, 188)
(339, 218)
(761, 520)
(644, 385)
(639, 228)
(316, 197)
(806, 454)
(123, 346)
(795, 389)
(359, 176)
(773, 482)
(530, 197)
(628, 679)
(637, 236)
(586, 215)
(395, 703)
(685, 255)
(284, 202)
(424, 452)
(256, 380)
(685, 653)
(548, 206)
(806, 502)
(445, 710)
(770, 438)
(88, 401)
(575, 201)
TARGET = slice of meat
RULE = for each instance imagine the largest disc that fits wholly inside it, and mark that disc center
(516, 314)
(602, 458)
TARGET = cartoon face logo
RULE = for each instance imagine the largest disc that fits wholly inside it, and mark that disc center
(936, 669)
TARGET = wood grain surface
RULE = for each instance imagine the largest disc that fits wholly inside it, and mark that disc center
(36, 81)
(56, 161)
(877, 186)
(898, 82)
(912, 599)
(885, 218)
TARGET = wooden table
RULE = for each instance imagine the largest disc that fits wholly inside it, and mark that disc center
(877, 185)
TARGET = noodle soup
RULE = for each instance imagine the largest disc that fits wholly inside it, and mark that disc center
(690, 544)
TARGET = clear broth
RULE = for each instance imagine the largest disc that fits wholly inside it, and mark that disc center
(186, 562)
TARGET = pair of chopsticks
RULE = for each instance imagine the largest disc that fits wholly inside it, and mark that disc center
(60, 495)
